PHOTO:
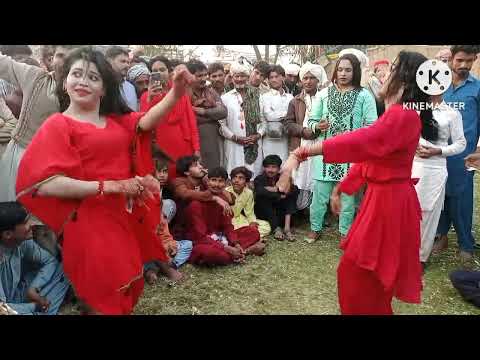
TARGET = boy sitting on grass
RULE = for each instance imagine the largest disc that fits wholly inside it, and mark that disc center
(243, 210)
(270, 204)
(179, 251)
(32, 281)
(208, 217)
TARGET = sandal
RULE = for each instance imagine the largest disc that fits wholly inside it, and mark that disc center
(278, 234)
(290, 237)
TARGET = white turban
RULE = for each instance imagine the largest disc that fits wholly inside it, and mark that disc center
(292, 69)
(316, 70)
(136, 71)
(359, 54)
(237, 68)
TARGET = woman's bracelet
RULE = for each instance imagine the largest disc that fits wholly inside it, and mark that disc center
(301, 154)
(100, 190)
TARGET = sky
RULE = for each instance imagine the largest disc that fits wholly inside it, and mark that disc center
(206, 53)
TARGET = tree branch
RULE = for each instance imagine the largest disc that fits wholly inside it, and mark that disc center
(257, 52)
(276, 54)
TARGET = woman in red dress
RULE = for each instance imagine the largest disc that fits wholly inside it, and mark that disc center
(85, 175)
(180, 123)
(381, 250)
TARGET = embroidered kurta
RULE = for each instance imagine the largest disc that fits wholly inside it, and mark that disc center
(347, 111)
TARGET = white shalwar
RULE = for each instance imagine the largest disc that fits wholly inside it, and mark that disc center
(234, 124)
(303, 175)
(432, 172)
(273, 108)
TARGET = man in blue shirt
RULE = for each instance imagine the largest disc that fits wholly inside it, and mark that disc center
(32, 281)
(464, 94)
(118, 58)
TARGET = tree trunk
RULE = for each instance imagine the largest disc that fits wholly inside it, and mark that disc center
(257, 52)
(267, 53)
(276, 54)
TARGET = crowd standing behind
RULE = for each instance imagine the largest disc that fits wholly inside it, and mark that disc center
(189, 162)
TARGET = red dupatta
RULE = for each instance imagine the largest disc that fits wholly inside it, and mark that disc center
(181, 113)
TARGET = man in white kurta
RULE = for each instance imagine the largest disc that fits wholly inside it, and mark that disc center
(313, 78)
(430, 167)
(242, 149)
(273, 108)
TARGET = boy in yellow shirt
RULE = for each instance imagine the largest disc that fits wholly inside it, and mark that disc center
(243, 210)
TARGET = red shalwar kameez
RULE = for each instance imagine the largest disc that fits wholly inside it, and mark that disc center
(381, 250)
(201, 217)
(207, 218)
(101, 251)
(177, 135)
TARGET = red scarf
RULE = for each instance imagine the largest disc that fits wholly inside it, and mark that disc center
(178, 114)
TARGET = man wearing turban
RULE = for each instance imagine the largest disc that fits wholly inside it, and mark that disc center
(139, 76)
(444, 55)
(242, 129)
(291, 79)
(313, 78)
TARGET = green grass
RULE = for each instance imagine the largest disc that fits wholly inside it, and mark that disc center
(293, 278)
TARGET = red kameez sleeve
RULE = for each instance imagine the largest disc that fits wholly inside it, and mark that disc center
(354, 180)
(395, 129)
(50, 153)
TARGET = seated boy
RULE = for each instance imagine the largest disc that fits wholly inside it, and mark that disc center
(179, 251)
(32, 281)
(270, 204)
(243, 209)
(205, 209)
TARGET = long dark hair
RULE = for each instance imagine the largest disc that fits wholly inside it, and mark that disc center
(357, 71)
(112, 102)
(404, 70)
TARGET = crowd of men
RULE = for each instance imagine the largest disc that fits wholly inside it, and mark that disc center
(218, 157)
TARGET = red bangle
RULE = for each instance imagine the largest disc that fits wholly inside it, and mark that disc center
(100, 188)
(301, 154)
